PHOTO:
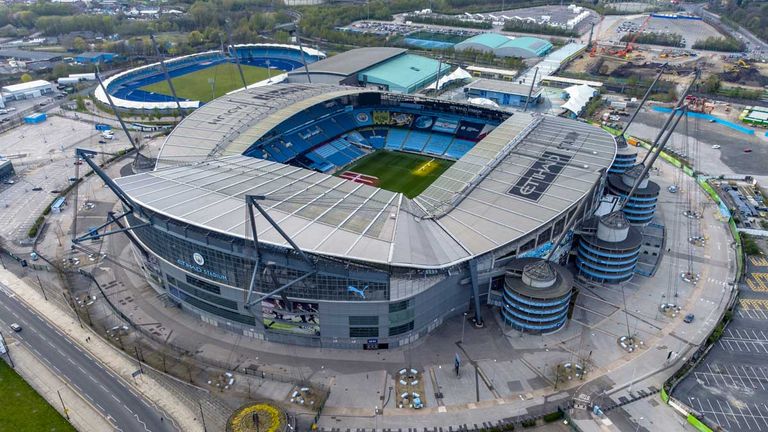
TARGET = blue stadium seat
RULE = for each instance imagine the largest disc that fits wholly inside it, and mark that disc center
(395, 139)
(438, 144)
(416, 141)
(459, 148)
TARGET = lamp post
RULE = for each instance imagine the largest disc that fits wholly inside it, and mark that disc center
(463, 322)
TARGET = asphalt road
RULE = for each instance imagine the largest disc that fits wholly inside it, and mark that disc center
(124, 409)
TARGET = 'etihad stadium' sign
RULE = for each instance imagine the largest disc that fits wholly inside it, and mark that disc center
(539, 176)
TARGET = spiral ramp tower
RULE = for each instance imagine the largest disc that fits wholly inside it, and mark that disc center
(609, 248)
(626, 156)
(537, 294)
(641, 206)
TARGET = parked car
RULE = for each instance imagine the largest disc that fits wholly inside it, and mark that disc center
(688, 318)
(102, 142)
(672, 189)
(716, 146)
(36, 189)
(747, 150)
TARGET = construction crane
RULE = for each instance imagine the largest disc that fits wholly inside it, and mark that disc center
(593, 51)
(631, 43)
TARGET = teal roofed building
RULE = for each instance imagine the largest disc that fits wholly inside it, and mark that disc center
(405, 73)
(506, 46)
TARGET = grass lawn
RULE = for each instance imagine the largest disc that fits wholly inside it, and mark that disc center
(401, 172)
(195, 86)
(22, 409)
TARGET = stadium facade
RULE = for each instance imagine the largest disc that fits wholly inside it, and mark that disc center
(370, 268)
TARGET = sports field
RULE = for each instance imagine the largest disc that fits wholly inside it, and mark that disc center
(401, 172)
(22, 409)
(195, 86)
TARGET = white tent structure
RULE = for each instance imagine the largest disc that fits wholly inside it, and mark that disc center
(578, 97)
(458, 75)
(483, 102)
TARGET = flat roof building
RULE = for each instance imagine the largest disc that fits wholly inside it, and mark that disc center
(406, 73)
(344, 67)
(30, 56)
(504, 93)
(385, 68)
(506, 46)
(27, 90)
(95, 57)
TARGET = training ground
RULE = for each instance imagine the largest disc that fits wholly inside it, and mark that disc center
(209, 83)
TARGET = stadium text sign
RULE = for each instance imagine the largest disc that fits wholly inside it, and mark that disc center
(539, 176)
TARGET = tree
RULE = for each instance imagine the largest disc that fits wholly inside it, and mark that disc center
(79, 44)
(195, 38)
(711, 84)
(26, 78)
(80, 103)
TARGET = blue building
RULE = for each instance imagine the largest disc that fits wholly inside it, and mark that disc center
(504, 93)
(91, 57)
(35, 118)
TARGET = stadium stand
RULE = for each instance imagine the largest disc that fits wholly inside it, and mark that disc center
(125, 87)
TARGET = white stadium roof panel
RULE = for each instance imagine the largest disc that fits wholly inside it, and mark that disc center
(525, 173)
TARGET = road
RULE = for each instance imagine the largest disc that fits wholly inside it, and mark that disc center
(756, 48)
(109, 394)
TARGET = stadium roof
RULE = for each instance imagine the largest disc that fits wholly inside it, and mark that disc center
(482, 202)
(506, 87)
(353, 61)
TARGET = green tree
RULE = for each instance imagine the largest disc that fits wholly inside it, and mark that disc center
(80, 103)
(79, 44)
(711, 84)
(195, 38)
(26, 78)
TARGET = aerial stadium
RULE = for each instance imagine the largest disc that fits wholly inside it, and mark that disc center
(198, 78)
(348, 217)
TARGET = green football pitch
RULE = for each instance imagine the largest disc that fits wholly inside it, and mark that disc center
(401, 172)
(22, 409)
(196, 85)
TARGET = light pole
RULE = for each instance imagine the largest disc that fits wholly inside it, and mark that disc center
(463, 322)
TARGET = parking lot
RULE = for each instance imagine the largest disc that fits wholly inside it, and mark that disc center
(43, 158)
(692, 30)
(730, 387)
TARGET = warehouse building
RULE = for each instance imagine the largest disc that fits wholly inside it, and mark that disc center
(95, 57)
(27, 90)
(506, 46)
(504, 93)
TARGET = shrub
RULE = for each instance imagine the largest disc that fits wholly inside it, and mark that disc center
(553, 417)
